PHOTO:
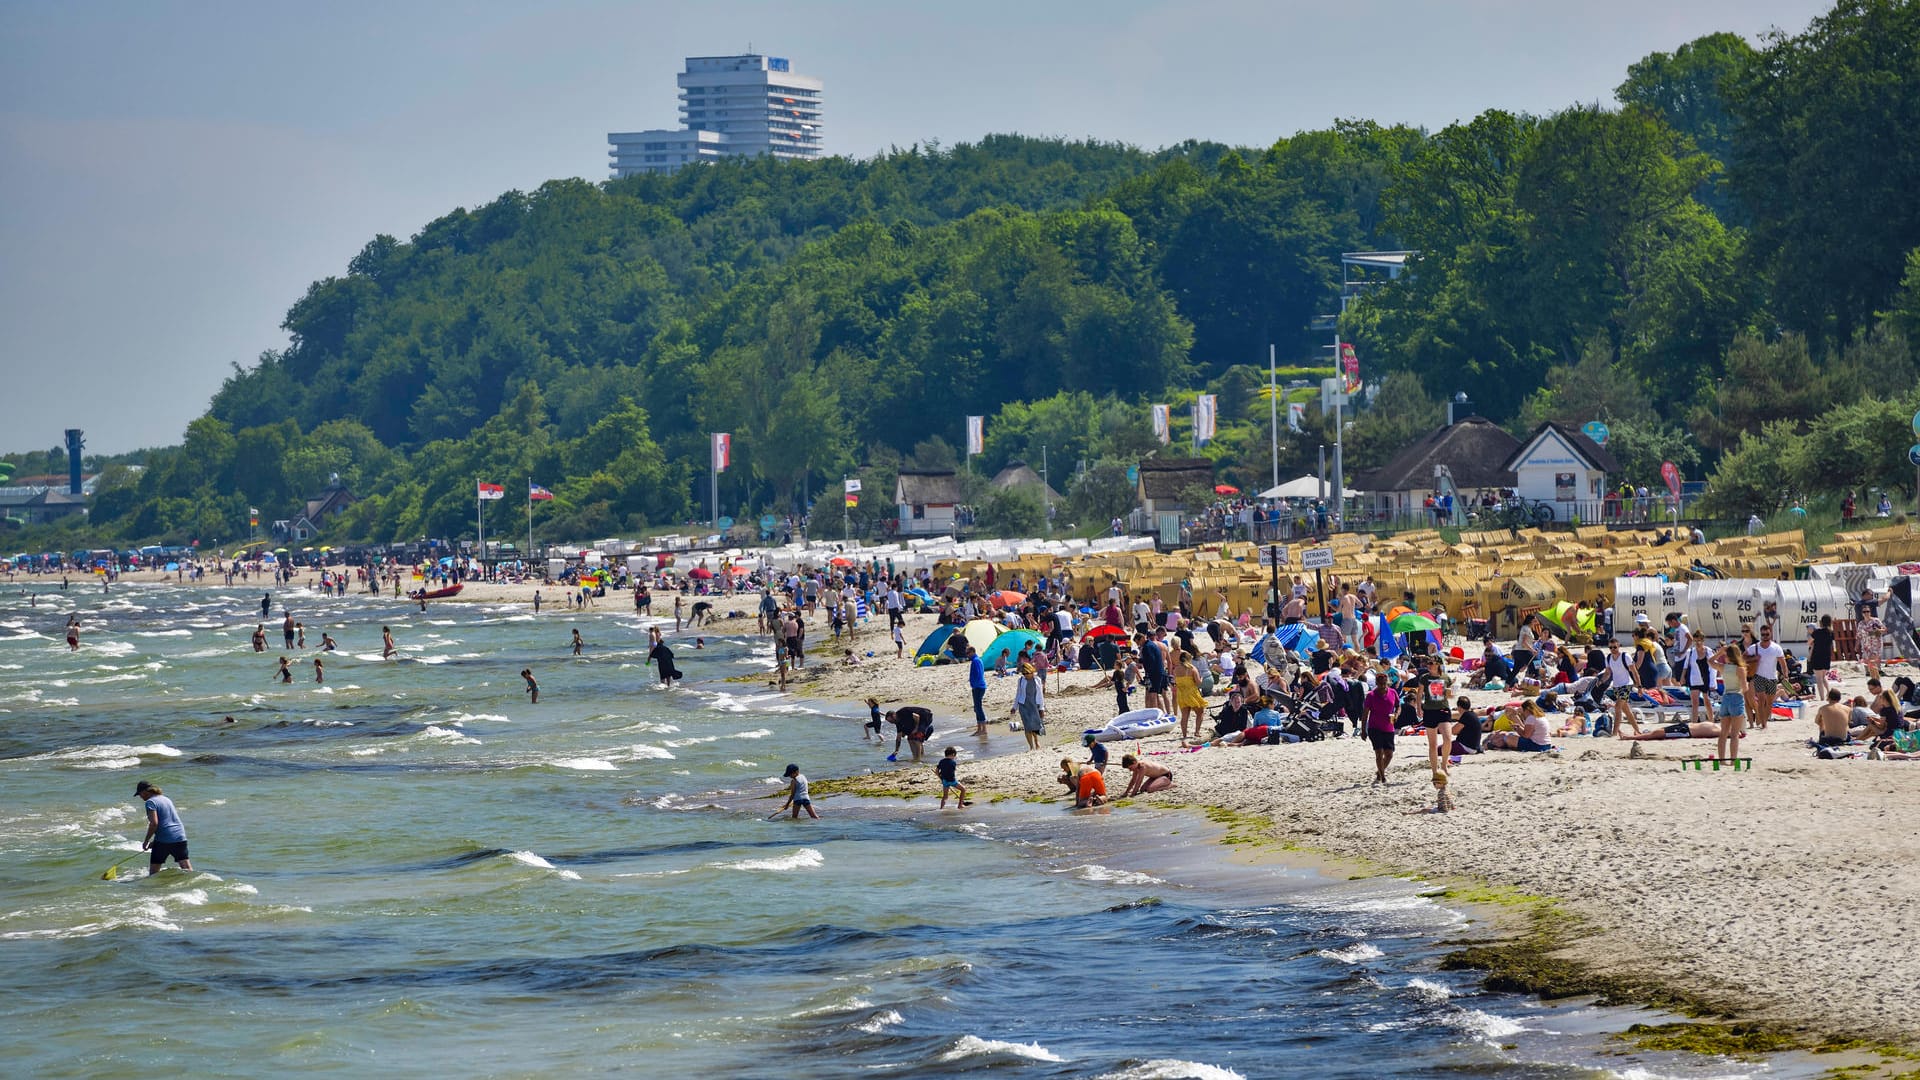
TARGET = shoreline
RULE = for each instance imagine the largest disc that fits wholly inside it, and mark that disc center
(1756, 901)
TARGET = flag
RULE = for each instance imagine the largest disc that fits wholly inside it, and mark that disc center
(1203, 419)
(1163, 424)
(853, 486)
(976, 435)
(1296, 412)
(1350, 367)
(722, 451)
(853, 500)
(253, 517)
(536, 493)
(492, 491)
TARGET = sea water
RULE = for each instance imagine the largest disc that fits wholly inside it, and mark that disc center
(411, 870)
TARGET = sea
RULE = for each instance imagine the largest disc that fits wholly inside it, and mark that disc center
(410, 870)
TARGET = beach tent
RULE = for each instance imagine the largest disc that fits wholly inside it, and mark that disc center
(930, 650)
(1294, 637)
(1009, 645)
(980, 633)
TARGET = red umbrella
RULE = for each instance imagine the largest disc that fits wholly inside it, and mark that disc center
(1105, 630)
(700, 572)
(1225, 489)
(839, 560)
(1007, 598)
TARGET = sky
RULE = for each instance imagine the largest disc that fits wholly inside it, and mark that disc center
(173, 176)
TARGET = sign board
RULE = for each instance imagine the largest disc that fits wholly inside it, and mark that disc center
(723, 524)
(1913, 455)
(1272, 555)
(1596, 430)
(1320, 558)
(1916, 423)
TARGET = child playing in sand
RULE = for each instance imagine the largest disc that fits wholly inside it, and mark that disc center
(1147, 776)
(949, 769)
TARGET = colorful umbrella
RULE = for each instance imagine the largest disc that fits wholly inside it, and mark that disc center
(1412, 622)
(700, 573)
(839, 560)
(1225, 489)
(1007, 598)
(1105, 630)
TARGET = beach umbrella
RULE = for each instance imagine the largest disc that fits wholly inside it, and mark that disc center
(839, 560)
(1290, 634)
(1009, 645)
(739, 571)
(1225, 489)
(1412, 622)
(1105, 630)
(700, 573)
(1007, 598)
(924, 596)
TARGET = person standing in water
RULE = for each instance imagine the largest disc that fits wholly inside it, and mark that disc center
(577, 643)
(284, 673)
(266, 605)
(797, 796)
(166, 837)
(386, 642)
(533, 688)
(319, 672)
(73, 633)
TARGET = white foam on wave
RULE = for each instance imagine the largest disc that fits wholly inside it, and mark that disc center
(368, 751)
(105, 756)
(191, 897)
(163, 633)
(244, 889)
(740, 763)
(1352, 954)
(528, 858)
(879, 1022)
(1108, 875)
(804, 859)
(323, 689)
(1172, 1069)
(1485, 1025)
(436, 733)
(1428, 990)
(974, 1046)
(327, 723)
(586, 764)
(112, 648)
(461, 718)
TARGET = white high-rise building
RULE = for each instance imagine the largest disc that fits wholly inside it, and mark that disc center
(731, 106)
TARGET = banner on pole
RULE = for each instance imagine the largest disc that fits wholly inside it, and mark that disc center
(853, 500)
(853, 486)
(1163, 424)
(536, 493)
(976, 435)
(1296, 414)
(1350, 367)
(722, 451)
(492, 491)
(1204, 411)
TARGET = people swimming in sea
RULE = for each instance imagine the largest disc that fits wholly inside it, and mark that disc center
(319, 671)
(327, 644)
(73, 633)
(284, 672)
(577, 643)
(533, 688)
(386, 642)
(260, 637)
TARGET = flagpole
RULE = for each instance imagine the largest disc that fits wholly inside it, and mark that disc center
(480, 520)
(1273, 409)
(529, 517)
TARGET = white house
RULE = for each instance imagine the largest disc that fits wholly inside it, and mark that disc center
(927, 501)
(1562, 467)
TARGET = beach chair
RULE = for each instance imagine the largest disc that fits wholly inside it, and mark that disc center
(1700, 764)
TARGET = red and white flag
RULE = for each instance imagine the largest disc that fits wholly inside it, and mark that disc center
(492, 491)
(722, 451)
(536, 493)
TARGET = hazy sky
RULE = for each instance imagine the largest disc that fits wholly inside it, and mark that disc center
(173, 175)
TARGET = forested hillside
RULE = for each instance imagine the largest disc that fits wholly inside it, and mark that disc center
(1715, 265)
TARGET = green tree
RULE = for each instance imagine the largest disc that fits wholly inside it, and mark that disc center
(1687, 88)
(1401, 412)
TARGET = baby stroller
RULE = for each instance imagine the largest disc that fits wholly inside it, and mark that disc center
(1304, 719)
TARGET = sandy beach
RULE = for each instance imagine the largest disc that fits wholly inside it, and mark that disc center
(1774, 895)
